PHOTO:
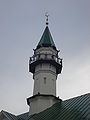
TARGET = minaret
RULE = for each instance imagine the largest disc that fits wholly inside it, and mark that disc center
(45, 65)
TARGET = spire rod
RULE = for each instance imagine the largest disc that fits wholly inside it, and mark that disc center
(47, 15)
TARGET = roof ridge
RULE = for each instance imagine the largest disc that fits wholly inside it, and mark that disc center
(77, 96)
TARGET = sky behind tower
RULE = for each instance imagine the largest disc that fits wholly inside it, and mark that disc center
(22, 23)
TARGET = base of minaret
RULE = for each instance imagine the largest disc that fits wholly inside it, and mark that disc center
(40, 102)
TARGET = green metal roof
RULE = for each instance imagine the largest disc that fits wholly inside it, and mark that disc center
(77, 108)
(46, 39)
(9, 116)
(23, 116)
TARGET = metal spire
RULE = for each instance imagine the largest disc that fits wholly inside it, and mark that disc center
(47, 15)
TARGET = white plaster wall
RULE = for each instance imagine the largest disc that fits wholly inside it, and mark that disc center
(41, 85)
(41, 103)
(48, 50)
(45, 66)
(45, 70)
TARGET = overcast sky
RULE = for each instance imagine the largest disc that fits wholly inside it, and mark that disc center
(22, 23)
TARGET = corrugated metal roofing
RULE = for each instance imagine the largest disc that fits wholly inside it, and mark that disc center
(23, 116)
(9, 116)
(77, 108)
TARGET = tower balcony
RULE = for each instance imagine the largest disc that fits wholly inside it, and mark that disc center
(45, 58)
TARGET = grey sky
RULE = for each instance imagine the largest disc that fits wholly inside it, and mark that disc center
(22, 23)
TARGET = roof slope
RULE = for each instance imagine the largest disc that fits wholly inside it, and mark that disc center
(23, 116)
(77, 108)
(46, 39)
(9, 116)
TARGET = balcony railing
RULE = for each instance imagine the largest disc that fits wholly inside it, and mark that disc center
(45, 57)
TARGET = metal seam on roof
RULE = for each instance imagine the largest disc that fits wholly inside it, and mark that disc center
(77, 108)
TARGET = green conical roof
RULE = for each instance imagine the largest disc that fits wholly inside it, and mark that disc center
(46, 39)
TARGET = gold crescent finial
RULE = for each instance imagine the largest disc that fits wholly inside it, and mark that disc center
(46, 14)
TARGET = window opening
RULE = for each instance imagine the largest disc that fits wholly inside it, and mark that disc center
(44, 80)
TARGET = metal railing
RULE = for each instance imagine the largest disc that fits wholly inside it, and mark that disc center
(45, 57)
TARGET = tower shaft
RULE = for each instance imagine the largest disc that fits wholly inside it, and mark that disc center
(45, 65)
(45, 73)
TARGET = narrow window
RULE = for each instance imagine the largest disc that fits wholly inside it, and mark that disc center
(44, 80)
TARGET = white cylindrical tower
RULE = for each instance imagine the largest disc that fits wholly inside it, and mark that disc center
(45, 72)
(45, 65)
